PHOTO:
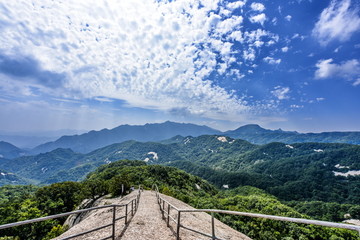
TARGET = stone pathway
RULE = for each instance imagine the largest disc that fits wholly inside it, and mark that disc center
(148, 224)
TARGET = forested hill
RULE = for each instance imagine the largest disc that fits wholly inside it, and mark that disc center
(7, 150)
(26, 202)
(258, 135)
(302, 171)
(10, 178)
(158, 132)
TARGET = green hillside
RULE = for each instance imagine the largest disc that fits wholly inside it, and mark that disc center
(258, 135)
(303, 171)
(10, 178)
(20, 203)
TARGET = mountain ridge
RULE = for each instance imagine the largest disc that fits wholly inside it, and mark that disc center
(8, 150)
(160, 132)
(276, 167)
(92, 140)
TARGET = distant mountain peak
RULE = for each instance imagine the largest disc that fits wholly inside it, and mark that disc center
(250, 128)
(153, 132)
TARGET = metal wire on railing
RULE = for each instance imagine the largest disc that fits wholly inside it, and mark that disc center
(134, 206)
(162, 202)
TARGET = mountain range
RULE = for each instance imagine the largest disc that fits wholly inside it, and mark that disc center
(307, 170)
(160, 132)
(258, 135)
(92, 140)
(7, 150)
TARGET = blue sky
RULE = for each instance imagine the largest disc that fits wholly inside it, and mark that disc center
(97, 64)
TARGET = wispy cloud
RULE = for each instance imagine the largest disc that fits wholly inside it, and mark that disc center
(285, 49)
(272, 61)
(260, 18)
(337, 22)
(348, 70)
(257, 7)
(281, 93)
(151, 54)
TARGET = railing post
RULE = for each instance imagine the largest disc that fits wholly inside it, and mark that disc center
(132, 208)
(168, 217)
(163, 209)
(213, 226)
(126, 213)
(113, 226)
(178, 227)
(135, 205)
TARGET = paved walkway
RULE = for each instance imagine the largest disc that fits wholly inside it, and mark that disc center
(147, 222)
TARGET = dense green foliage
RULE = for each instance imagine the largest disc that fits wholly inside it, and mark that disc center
(249, 199)
(301, 172)
(327, 211)
(19, 203)
(172, 180)
(26, 202)
(42, 166)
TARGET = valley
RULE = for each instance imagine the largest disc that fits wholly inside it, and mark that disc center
(306, 179)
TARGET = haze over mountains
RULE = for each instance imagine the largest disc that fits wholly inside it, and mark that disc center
(90, 141)
(253, 133)
(306, 170)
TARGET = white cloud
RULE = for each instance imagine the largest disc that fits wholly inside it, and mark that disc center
(274, 21)
(285, 49)
(228, 25)
(295, 106)
(337, 22)
(337, 49)
(150, 54)
(319, 99)
(103, 99)
(154, 55)
(257, 7)
(296, 35)
(237, 36)
(249, 54)
(235, 5)
(288, 18)
(272, 61)
(258, 43)
(349, 70)
(236, 73)
(260, 18)
(281, 93)
(357, 82)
